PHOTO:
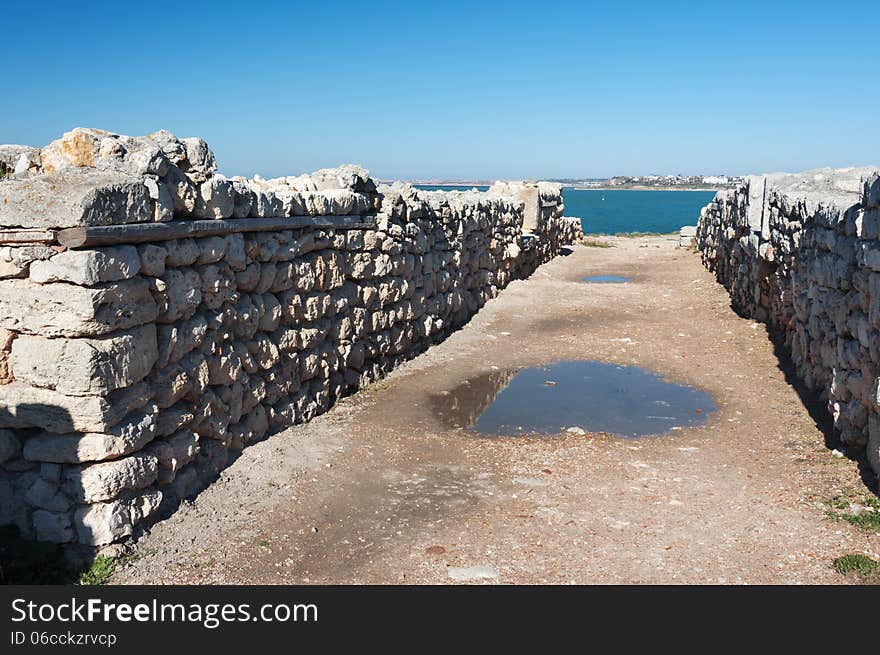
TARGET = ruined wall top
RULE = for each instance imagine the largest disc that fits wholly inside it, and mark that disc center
(90, 178)
(93, 177)
(829, 192)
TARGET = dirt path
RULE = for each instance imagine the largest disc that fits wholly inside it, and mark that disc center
(379, 491)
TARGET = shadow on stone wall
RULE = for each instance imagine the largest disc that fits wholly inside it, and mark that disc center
(25, 559)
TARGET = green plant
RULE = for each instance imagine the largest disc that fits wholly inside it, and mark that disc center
(858, 564)
(99, 573)
(868, 518)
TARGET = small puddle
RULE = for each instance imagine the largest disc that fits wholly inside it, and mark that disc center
(604, 279)
(593, 396)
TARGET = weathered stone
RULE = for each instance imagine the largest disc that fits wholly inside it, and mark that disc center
(143, 505)
(25, 406)
(181, 252)
(10, 446)
(88, 267)
(52, 527)
(184, 194)
(85, 366)
(183, 295)
(15, 261)
(200, 159)
(163, 202)
(211, 249)
(46, 494)
(74, 197)
(64, 310)
(106, 480)
(6, 339)
(127, 437)
(174, 418)
(174, 453)
(215, 199)
(152, 259)
(102, 523)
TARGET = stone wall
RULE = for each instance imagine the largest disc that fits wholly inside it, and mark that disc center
(802, 253)
(129, 372)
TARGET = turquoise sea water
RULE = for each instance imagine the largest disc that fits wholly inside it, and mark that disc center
(617, 212)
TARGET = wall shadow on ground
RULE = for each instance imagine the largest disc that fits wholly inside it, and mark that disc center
(817, 407)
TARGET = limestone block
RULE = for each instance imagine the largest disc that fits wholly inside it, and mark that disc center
(15, 261)
(235, 256)
(163, 202)
(144, 505)
(184, 194)
(52, 526)
(215, 199)
(127, 437)
(74, 197)
(225, 367)
(248, 279)
(6, 339)
(10, 446)
(174, 418)
(47, 495)
(178, 339)
(181, 252)
(243, 203)
(264, 351)
(152, 259)
(85, 366)
(199, 158)
(211, 249)
(271, 315)
(64, 310)
(25, 406)
(106, 480)
(102, 523)
(871, 192)
(174, 453)
(182, 295)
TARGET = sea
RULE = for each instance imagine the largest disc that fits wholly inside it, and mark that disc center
(624, 211)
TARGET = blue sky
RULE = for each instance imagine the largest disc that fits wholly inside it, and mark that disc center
(458, 89)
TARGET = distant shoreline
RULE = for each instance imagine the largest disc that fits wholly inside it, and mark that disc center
(641, 188)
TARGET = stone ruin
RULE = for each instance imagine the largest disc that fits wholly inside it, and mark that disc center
(802, 254)
(156, 316)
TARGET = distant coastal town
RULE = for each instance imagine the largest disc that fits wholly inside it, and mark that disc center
(675, 182)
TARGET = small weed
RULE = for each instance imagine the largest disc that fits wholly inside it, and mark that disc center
(861, 565)
(868, 518)
(596, 243)
(99, 573)
(264, 543)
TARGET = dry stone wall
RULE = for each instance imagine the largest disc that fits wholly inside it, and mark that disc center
(129, 372)
(802, 253)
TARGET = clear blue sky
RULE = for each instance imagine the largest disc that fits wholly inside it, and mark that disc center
(457, 90)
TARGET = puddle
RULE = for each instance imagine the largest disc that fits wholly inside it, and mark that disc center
(597, 397)
(604, 279)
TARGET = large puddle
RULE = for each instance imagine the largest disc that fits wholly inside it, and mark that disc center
(594, 396)
(606, 279)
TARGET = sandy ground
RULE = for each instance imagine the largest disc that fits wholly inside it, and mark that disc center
(379, 490)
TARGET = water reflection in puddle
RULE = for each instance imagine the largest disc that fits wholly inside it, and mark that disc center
(593, 396)
(606, 278)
